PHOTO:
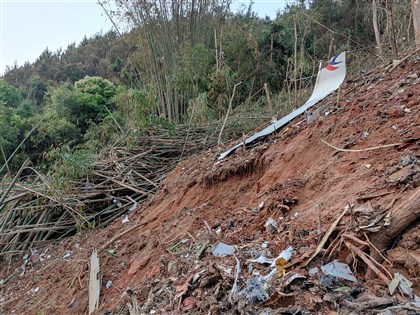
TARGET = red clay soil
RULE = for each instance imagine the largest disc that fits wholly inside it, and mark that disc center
(165, 265)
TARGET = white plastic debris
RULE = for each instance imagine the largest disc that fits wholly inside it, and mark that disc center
(286, 254)
(403, 283)
(108, 284)
(365, 134)
(264, 245)
(416, 301)
(67, 254)
(36, 290)
(271, 225)
(339, 270)
(125, 220)
(222, 249)
(134, 206)
(117, 203)
(262, 260)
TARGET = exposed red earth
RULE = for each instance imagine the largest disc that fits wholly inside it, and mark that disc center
(164, 264)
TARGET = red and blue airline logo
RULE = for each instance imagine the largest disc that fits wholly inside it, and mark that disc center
(332, 65)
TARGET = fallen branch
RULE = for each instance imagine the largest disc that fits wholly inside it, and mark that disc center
(361, 150)
(365, 245)
(371, 302)
(327, 235)
(367, 261)
(404, 59)
(116, 237)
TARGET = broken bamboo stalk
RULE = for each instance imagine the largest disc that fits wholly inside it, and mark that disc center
(327, 235)
(368, 262)
(361, 150)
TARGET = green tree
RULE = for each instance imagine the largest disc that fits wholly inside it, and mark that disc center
(87, 101)
(9, 95)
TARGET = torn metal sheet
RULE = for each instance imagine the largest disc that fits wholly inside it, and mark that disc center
(271, 226)
(329, 79)
(339, 270)
(416, 301)
(404, 284)
(222, 249)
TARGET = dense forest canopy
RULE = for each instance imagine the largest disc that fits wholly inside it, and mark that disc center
(178, 63)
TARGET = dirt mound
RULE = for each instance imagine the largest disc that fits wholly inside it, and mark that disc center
(286, 192)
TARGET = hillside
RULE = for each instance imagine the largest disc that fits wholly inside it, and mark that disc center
(161, 261)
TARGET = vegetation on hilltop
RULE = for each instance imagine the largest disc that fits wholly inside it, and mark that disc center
(178, 63)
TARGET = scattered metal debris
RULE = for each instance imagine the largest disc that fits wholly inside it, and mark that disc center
(339, 270)
(403, 283)
(253, 290)
(271, 226)
(125, 220)
(222, 249)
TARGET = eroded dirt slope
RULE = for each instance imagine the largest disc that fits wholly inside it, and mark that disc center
(164, 263)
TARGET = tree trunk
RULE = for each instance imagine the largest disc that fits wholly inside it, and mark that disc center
(376, 28)
(416, 21)
(390, 25)
(405, 214)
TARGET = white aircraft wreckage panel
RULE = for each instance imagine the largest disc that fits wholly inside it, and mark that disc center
(328, 80)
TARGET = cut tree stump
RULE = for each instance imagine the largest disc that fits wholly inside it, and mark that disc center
(405, 214)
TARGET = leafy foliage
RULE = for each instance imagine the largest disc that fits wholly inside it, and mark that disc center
(9, 96)
(178, 63)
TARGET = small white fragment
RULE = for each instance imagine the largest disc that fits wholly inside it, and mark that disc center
(262, 260)
(271, 225)
(286, 254)
(339, 270)
(125, 220)
(403, 283)
(313, 271)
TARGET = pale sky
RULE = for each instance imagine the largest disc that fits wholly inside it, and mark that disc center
(28, 27)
